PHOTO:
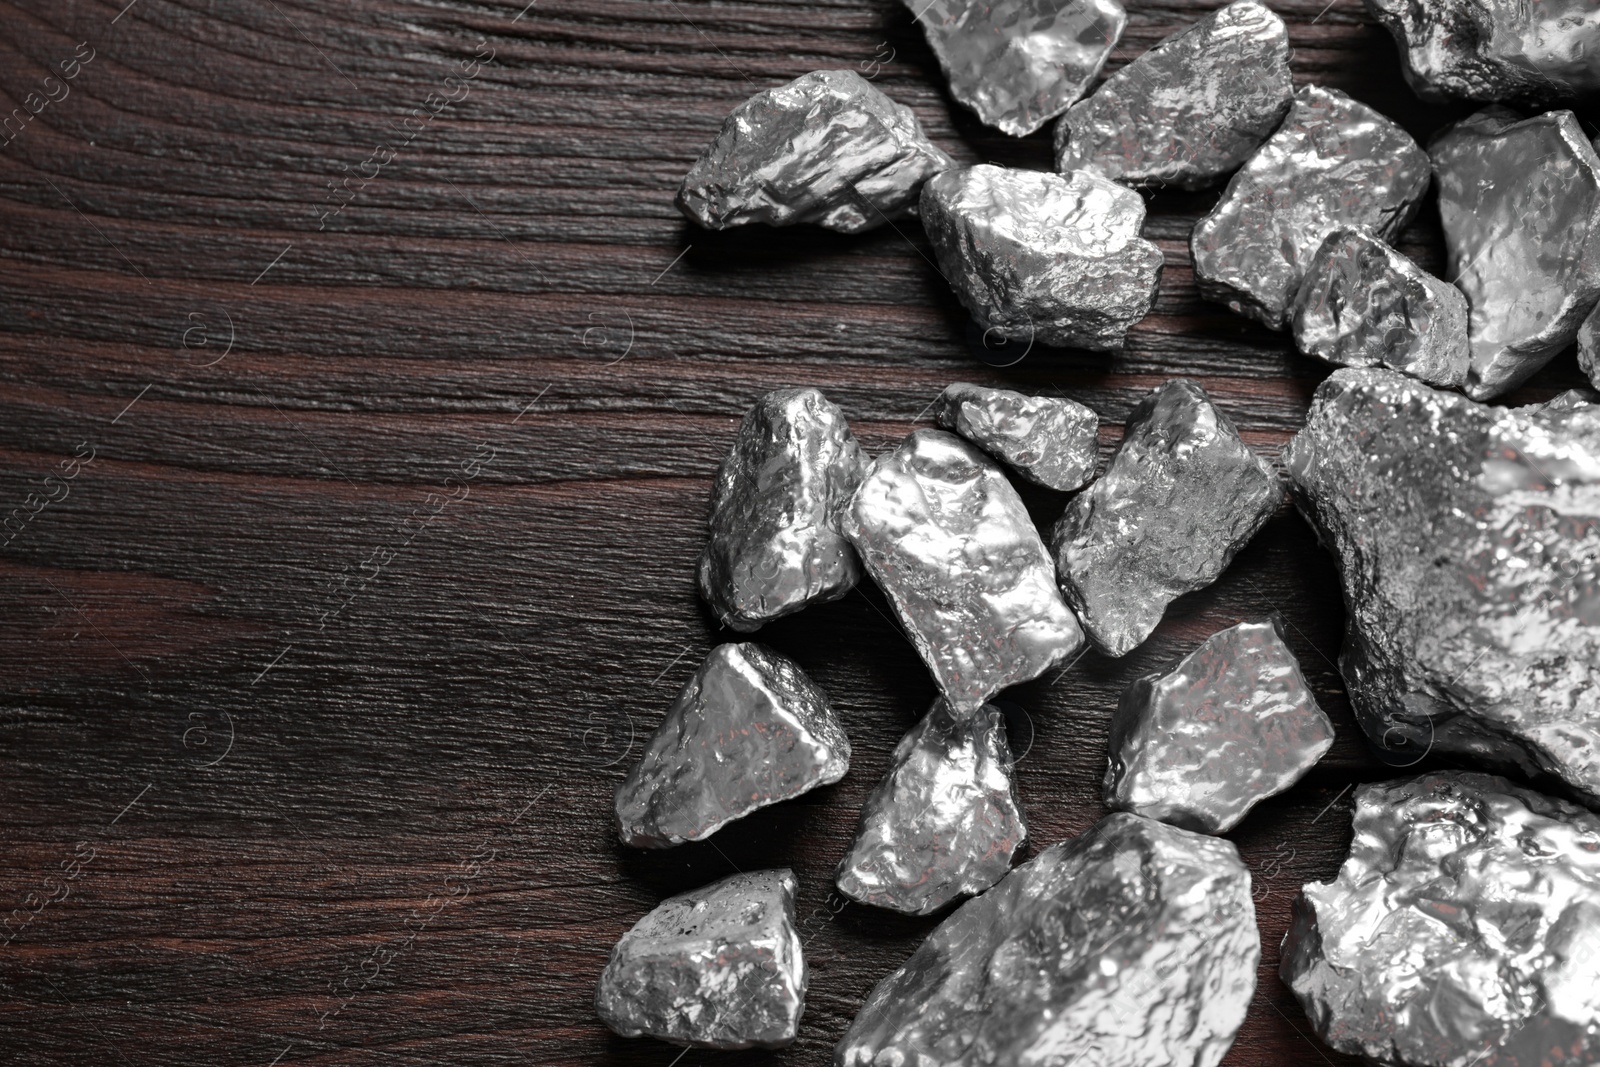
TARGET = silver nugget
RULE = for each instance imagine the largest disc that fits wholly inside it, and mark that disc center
(1188, 112)
(1334, 162)
(775, 543)
(1051, 441)
(1362, 304)
(1232, 724)
(1589, 346)
(1133, 945)
(826, 148)
(1045, 257)
(750, 729)
(719, 967)
(948, 539)
(1468, 543)
(1463, 928)
(1020, 63)
(1182, 495)
(1495, 49)
(1520, 203)
(1570, 400)
(943, 822)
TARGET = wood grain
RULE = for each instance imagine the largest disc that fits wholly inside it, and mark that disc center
(316, 682)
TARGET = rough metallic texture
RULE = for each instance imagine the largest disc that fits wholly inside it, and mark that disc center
(948, 539)
(1362, 304)
(718, 967)
(943, 822)
(1048, 440)
(1495, 49)
(1468, 542)
(1182, 495)
(775, 542)
(750, 729)
(1520, 204)
(1019, 63)
(1188, 112)
(827, 148)
(1232, 724)
(1462, 930)
(1589, 346)
(1045, 257)
(1334, 162)
(1133, 945)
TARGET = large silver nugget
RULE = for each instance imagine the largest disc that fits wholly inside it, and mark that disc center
(1045, 257)
(750, 729)
(717, 967)
(827, 148)
(948, 539)
(1463, 929)
(1334, 162)
(1362, 304)
(1520, 203)
(1468, 542)
(1020, 63)
(1232, 724)
(1182, 495)
(1133, 945)
(775, 542)
(1495, 49)
(943, 822)
(1048, 440)
(1188, 112)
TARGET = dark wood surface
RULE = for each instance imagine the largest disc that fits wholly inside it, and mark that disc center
(316, 679)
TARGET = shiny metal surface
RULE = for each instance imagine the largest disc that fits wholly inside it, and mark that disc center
(750, 729)
(1362, 304)
(775, 544)
(943, 822)
(1570, 399)
(1495, 49)
(1189, 111)
(1589, 346)
(1019, 63)
(827, 148)
(718, 967)
(1050, 441)
(1046, 257)
(1468, 543)
(947, 538)
(1182, 495)
(1333, 163)
(1520, 203)
(1231, 724)
(1462, 930)
(1133, 945)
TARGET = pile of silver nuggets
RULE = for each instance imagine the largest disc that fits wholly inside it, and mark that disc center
(1464, 926)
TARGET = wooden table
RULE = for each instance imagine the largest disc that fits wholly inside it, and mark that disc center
(360, 390)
